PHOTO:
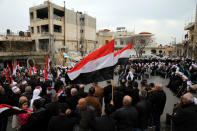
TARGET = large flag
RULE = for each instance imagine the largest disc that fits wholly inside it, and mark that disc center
(122, 56)
(8, 110)
(97, 66)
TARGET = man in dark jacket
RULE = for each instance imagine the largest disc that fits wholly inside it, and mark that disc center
(143, 108)
(185, 116)
(58, 84)
(104, 123)
(61, 122)
(127, 116)
(157, 98)
(73, 99)
(3, 100)
(82, 93)
(87, 115)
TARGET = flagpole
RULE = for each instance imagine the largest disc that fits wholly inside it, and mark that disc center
(112, 83)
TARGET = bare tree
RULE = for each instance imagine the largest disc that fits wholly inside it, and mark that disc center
(140, 42)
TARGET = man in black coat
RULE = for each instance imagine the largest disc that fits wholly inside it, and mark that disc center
(143, 107)
(107, 92)
(3, 100)
(58, 84)
(104, 123)
(127, 116)
(61, 122)
(185, 116)
(72, 100)
(157, 97)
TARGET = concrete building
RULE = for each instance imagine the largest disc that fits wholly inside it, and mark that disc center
(20, 48)
(122, 38)
(103, 37)
(191, 42)
(56, 29)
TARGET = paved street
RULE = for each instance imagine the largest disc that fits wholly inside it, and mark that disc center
(171, 99)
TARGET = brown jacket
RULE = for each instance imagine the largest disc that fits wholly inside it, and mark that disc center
(94, 102)
(99, 91)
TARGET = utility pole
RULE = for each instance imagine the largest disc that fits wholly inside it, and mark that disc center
(64, 23)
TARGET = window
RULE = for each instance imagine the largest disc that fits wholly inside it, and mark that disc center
(44, 28)
(81, 31)
(31, 15)
(32, 30)
(121, 43)
(115, 42)
(106, 41)
(38, 29)
(57, 28)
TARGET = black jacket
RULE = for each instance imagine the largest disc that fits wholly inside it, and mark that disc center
(37, 121)
(185, 118)
(104, 123)
(158, 101)
(143, 107)
(126, 118)
(60, 123)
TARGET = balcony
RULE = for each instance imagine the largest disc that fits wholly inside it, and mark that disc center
(190, 26)
(22, 53)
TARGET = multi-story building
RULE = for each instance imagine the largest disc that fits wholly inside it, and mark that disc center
(103, 37)
(18, 48)
(122, 38)
(56, 29)
(191, 39)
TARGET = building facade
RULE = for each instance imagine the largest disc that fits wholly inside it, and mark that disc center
(18, 48)
(190, 42)
(55, 30)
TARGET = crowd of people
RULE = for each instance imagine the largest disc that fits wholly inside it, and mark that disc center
(56, 104)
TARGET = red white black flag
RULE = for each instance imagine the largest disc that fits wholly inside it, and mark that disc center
(122, 56)
(8, 110)
(97, 66)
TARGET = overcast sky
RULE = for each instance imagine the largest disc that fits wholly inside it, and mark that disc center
(164, 18)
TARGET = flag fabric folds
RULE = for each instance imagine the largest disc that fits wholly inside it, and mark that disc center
(97, 66)
(122, 56)
(8, 110)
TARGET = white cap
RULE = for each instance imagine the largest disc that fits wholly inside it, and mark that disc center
(39, 88)
(24, 82)
(15, 89)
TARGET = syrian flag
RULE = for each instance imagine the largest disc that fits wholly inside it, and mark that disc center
(35, 70)
(96, 67)
(48, 63)
(121, 57)
(45, 73)
(60, 91)
(30, 71)
(8, 110)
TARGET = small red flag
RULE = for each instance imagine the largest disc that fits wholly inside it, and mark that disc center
(45, 73)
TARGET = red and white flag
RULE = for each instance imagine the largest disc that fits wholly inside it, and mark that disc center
(8, 110)
(48, 63)
(97, 66)
(122, 56)
(30, 71)
(45, 73)
(35, 70)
